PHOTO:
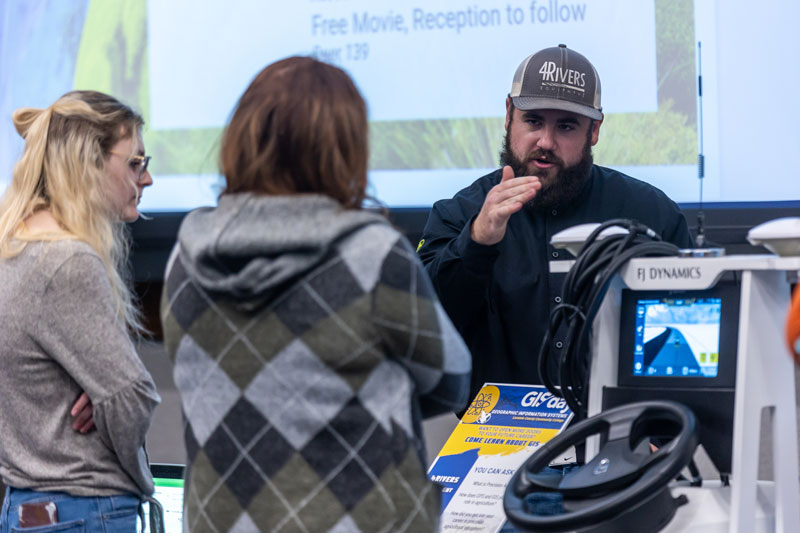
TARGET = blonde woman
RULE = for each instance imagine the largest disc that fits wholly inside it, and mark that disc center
(77, 401)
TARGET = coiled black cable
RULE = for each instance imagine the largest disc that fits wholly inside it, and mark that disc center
(584, 288)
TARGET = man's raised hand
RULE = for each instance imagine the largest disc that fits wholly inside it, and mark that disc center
(503, 200)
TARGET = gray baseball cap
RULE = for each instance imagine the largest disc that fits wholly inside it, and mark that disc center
(557, 78)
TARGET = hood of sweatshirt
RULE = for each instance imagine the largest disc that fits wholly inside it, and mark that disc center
(252, 245)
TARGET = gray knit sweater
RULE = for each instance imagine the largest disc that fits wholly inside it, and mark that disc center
(59, 335)
(308, 343)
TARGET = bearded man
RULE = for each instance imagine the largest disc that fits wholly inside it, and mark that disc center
(487, 249)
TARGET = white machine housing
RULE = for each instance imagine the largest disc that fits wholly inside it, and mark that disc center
(764, 379)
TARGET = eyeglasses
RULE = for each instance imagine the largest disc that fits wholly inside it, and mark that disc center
(138, 163)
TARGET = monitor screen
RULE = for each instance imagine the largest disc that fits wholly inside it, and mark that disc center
(677, 337)
(168, 481)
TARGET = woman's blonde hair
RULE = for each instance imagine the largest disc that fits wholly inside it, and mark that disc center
(63, 169)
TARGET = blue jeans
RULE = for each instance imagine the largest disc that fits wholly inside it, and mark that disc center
(76, 514)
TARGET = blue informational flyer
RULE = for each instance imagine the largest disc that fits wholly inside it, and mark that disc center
(502, 427)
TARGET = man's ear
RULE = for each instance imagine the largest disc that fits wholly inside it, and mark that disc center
(596, 130)
(509, 110)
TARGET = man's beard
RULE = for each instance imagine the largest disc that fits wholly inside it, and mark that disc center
(559, 190)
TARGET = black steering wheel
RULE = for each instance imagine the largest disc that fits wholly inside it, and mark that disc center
(624, 487)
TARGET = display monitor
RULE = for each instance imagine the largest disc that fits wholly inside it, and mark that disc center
(679, 338)
(168, 481)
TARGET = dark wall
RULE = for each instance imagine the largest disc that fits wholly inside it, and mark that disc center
(724, 225)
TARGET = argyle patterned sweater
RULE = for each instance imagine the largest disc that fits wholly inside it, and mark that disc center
(308, 344)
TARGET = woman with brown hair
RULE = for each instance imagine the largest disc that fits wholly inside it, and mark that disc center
(308, 343)
(65, 318)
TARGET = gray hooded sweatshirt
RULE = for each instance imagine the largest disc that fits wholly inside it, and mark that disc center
(248, 247)
(308, 344)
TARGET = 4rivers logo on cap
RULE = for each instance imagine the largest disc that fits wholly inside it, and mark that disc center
(568, 78)
(557, 78)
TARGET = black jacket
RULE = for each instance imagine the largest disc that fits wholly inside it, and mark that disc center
(500, 296)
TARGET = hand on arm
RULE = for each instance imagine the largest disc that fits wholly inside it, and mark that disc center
(503, 200)
(82, 413)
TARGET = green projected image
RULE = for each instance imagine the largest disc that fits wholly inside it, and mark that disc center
(435, 79)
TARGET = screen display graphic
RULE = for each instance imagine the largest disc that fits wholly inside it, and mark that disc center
(677, 337)
(169, 493)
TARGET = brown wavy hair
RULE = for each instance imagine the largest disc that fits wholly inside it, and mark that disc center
(300, 127)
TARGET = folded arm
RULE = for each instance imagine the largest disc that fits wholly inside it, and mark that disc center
(79, 329)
